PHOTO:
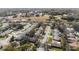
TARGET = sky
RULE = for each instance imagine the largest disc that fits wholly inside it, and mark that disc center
(39, 3)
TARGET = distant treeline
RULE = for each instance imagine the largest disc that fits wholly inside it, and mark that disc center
(51, 11)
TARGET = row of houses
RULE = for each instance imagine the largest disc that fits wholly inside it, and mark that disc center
(72, 38)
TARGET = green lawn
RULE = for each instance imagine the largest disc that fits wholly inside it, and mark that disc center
(55, 49)
(2, 37)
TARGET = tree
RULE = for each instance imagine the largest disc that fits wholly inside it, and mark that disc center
(14, 44)
(76, 26)
(14, 16)
(71, 18)
(27, 46)
(50, 17)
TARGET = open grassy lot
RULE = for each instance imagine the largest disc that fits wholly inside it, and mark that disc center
(40, 18)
